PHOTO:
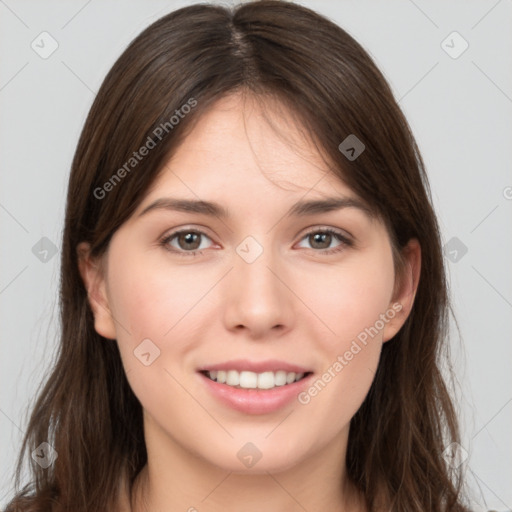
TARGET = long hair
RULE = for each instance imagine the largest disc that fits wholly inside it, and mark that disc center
(86, 409)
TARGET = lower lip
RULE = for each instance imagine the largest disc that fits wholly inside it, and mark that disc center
(256, 401)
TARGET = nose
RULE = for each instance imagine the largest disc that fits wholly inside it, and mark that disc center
(258, 298)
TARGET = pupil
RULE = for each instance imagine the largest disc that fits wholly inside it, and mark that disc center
(190, 238)
(321, 238)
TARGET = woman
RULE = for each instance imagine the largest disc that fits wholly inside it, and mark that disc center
(253, 297)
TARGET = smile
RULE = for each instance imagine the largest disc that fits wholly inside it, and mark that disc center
(253, 380)
(255, 387)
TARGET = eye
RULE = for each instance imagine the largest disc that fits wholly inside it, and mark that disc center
(322, 239)
(185, 241)
(189, 242)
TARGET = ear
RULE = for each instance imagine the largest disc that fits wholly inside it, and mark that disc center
(406, 286)
(94, 280)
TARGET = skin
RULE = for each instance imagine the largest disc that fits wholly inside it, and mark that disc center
(294, 302)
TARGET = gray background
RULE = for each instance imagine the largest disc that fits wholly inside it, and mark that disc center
(460, 110)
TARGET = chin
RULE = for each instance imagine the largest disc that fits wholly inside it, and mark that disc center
(250, 460)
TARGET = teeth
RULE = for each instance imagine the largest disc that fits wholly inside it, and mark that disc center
(266, 380)
(251, 380)
(280, 378)
(232, 378)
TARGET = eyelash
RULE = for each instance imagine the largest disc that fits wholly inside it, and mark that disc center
(345, 242)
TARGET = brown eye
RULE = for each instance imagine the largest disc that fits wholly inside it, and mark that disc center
(321, 241)
(189, 240)
(186, 242)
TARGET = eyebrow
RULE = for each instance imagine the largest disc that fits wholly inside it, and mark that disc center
(299, 209)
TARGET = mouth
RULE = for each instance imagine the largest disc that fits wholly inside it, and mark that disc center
(255, 388)
(252, 380)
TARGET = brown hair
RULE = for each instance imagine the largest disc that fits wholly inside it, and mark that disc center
(86, 410)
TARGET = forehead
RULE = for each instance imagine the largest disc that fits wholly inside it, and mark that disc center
(242, 139)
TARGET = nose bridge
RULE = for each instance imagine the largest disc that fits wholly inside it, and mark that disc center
(257, 298)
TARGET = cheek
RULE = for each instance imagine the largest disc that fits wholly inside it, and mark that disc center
(350, 301)
(150, 301)
(350, 298)
(150, 298)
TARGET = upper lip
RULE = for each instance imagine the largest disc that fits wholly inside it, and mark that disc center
(270, 365)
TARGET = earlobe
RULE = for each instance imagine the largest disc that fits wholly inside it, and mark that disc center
(94, 282)
(403, 298)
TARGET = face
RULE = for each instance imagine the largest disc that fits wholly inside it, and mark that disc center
(252, 288)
